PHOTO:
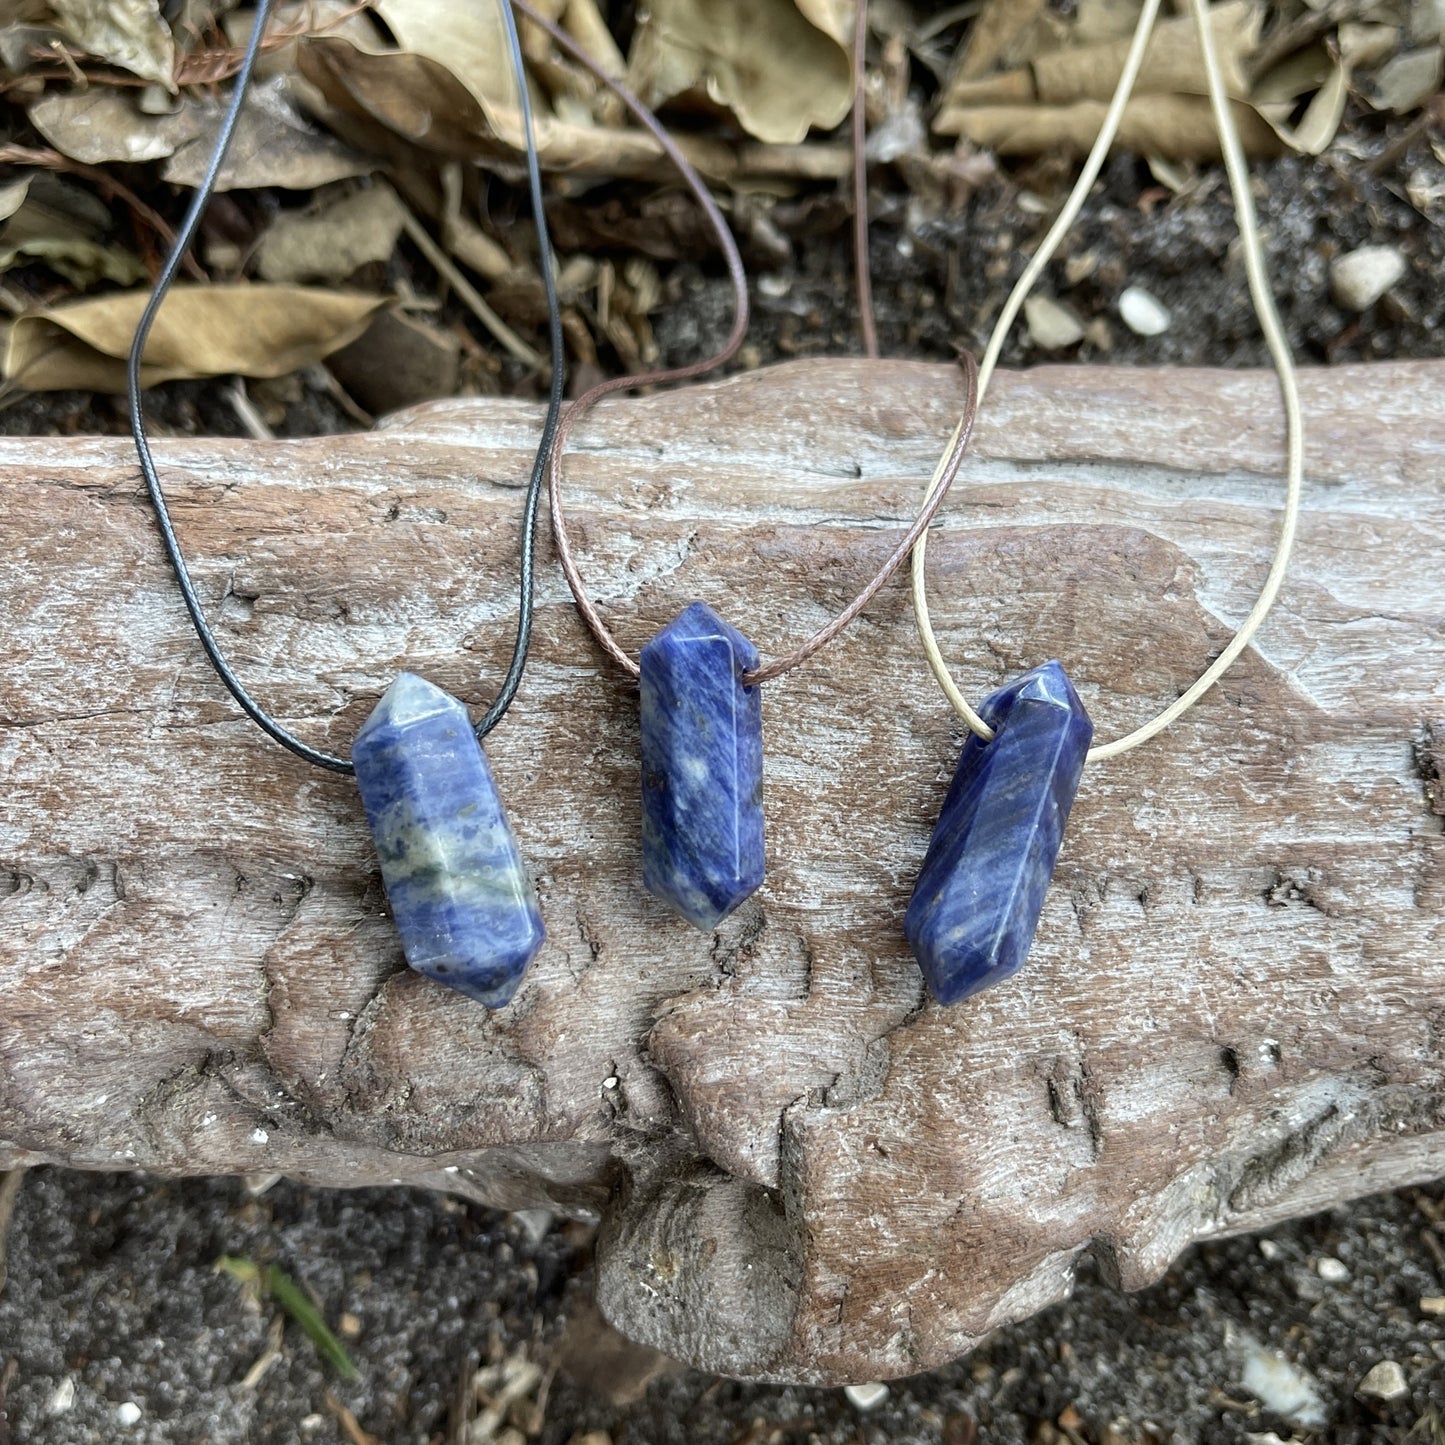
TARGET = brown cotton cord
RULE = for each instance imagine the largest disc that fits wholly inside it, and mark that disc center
(861, 275)
(585, 606)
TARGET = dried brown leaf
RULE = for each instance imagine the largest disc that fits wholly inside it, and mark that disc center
(273, 144)
(1173, 65)
(331, 243)
(127, 33)
(780, 66)
(48, 219)
(12, 196)
(1058, 99)
(368, 86)
(470, 42)
(1408, 80)
(1002, 36)
(1178, 126)
(1319, 124)
(1106, 20)
(201, 331)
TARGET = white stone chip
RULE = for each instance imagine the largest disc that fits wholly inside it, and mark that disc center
(1052, 326)
(128, 1413)
(1279, 1385)
(1385, 1381)
(63, 1398)
(866, 1397)
(1143, 312)
(1332, 1270)
(1359, 278)
(534, 1223)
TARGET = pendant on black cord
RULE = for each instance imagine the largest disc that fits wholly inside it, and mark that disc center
(463, 904)
(981, 889)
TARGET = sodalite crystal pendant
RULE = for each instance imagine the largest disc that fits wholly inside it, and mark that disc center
(463, 905)
(978, 898)
(702, 767)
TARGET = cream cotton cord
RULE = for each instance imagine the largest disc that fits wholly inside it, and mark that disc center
(1237, 171)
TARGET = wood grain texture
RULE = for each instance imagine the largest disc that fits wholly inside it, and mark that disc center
(1235, 1009)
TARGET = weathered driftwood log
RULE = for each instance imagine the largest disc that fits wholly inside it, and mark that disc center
(1235, 1009)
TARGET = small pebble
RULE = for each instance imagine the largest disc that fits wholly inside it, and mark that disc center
(1385, 1381)
(128, 1413)
(1081, 267)
(1052, 326)
(1144, 314)
(1359, 278)
(1270, 1250)
(1432, 1304)
(1332, 1270)
(866, 1397)
(349, 1325)
(63, 1398)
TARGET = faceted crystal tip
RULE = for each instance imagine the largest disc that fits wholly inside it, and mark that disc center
(409, 700)
(702, 767)
(979, 894)
(459, 893)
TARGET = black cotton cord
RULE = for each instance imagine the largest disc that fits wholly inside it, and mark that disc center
(169, 541)
(527, 564)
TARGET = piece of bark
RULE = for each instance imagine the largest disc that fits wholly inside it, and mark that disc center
(1234, 1012)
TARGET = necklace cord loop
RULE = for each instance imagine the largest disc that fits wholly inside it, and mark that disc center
(948, 467)
(585, 605)
(952, 461)
(179, 250)
(556, 393)
(1237, 171)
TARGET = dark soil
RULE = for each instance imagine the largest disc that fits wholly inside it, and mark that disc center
(112, 1285)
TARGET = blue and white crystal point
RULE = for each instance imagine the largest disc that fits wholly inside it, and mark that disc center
(464, 907)
(981, 890)
(702, 767)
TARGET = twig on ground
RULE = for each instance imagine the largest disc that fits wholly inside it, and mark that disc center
(464, 1401)
(420, 237)
(255, 427)
(10, 1183)
(348, 1422)
(268, 1356)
